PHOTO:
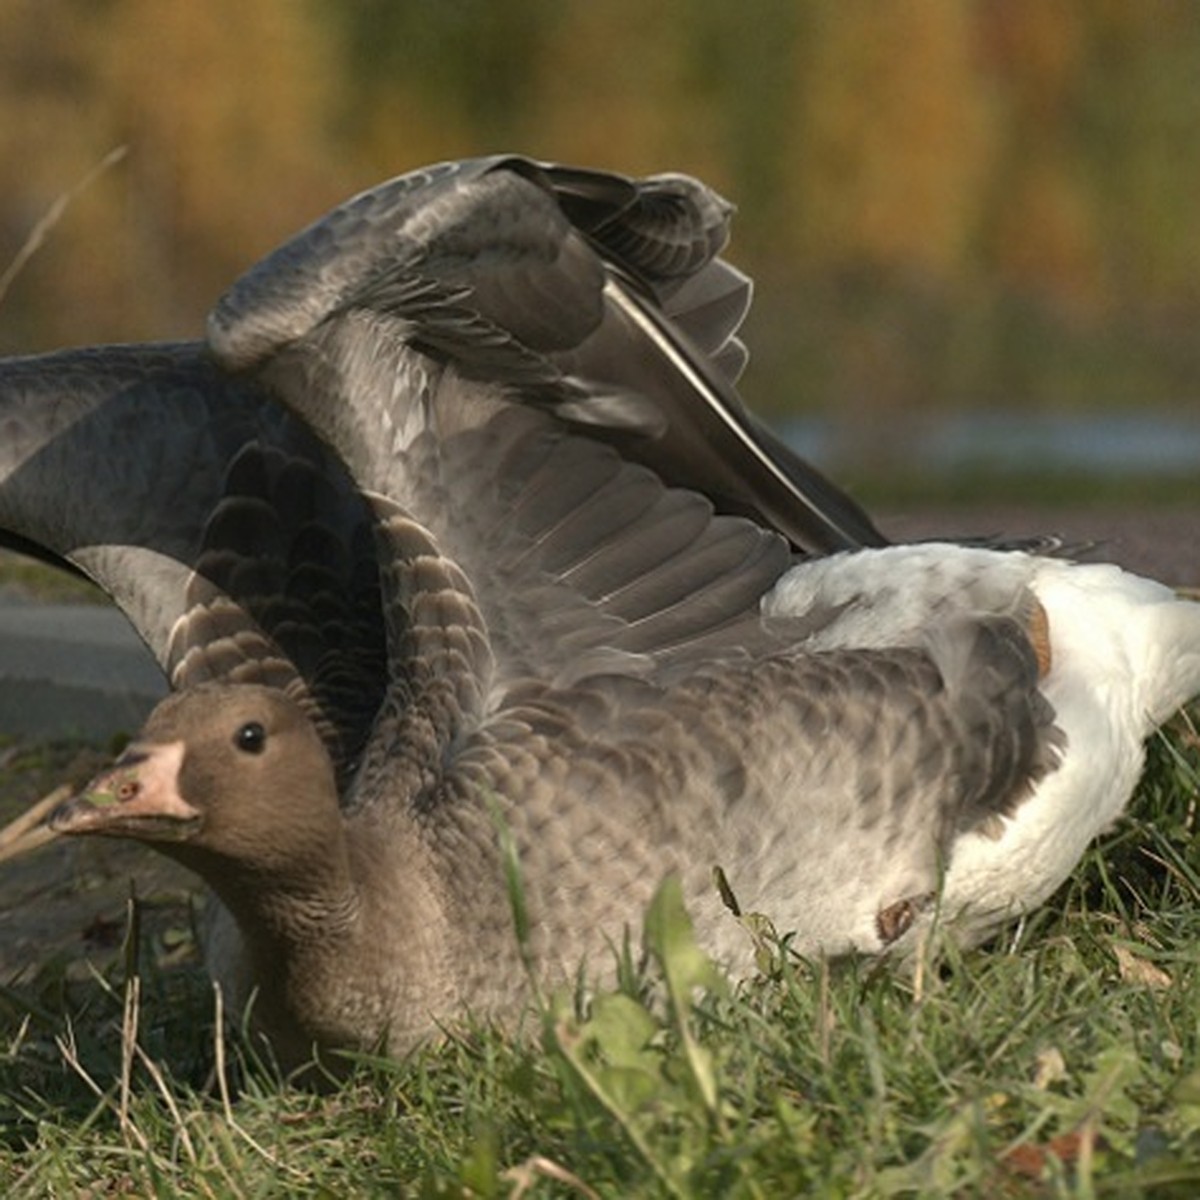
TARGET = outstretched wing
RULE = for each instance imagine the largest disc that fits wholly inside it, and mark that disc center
(231, 538)
(455, 337)
(494, 346)
(599, 297)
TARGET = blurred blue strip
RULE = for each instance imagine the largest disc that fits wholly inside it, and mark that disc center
(1113, 443)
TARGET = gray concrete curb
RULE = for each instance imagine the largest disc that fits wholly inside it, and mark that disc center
(73, 670)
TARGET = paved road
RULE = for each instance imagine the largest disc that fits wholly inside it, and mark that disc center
(72, 670)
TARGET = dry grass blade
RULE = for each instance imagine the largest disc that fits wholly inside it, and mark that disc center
(223, 1089)
(525, 1177)
(70, 1054)
(129, 1035)
(164, 1090)
(25, 833)
(52, 216)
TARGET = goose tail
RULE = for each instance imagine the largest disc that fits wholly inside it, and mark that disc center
(1170, 633)
(1131, 639)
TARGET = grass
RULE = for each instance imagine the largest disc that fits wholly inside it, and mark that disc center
(31, 579)
(1063, 1060)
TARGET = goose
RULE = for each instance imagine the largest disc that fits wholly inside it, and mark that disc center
(454, 534)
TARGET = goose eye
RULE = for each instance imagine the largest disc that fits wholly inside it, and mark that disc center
(251, 738)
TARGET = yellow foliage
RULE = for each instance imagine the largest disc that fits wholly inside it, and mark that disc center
(218, 103)
(615, 91)
(959, 150)
(893, 135)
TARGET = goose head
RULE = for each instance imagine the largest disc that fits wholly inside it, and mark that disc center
(336, 939)
(232, 780)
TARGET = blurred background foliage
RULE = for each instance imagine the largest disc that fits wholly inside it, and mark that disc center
(967, 203)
